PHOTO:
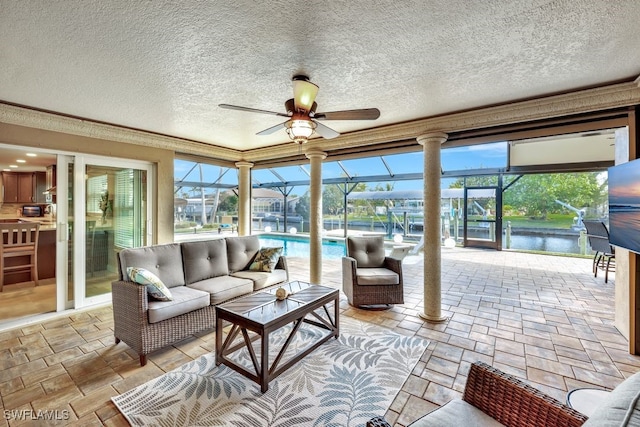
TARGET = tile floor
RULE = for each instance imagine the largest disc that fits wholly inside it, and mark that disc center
(545, 319)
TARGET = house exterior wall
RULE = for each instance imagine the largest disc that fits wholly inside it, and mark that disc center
(163, 160)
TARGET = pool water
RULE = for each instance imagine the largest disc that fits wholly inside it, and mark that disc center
(298, 246)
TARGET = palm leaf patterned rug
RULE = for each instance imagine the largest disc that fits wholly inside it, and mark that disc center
(344, 382)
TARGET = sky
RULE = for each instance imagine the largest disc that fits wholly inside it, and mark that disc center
(460, 158)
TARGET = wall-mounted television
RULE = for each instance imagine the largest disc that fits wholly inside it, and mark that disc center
(624, 205)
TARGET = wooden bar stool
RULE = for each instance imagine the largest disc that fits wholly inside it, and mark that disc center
(19, 240)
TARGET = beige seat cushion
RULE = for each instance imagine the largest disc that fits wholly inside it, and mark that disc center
(184, 301)
(376, 276)
(223, 288)
(263, 279)
(456, 413)
(621, 407)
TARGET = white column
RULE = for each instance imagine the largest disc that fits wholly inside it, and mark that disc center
(315, 216)
(431, 143)
(244, 198)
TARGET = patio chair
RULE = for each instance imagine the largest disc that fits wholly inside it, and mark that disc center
(491, 398)
(604, 257)
(369, 278)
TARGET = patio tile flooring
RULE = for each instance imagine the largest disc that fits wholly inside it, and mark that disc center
(543, 318)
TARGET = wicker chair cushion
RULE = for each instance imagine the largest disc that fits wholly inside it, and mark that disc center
(184, 301)
(376, 276)
(222, 288)
(456, 413)
(241, 251)
(621, 407)
(204, 260)
(165, 261)
(368, 251)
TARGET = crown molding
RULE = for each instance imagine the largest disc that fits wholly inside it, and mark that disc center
(583, 101)
(22, 116)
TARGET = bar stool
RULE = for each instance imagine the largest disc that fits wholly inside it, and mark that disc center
(19, 240)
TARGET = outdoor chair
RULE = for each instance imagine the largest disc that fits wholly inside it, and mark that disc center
(369, 278)
(494, 398)
(604, 257)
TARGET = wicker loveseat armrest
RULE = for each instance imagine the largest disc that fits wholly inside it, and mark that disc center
(130, 304)
(513, 402)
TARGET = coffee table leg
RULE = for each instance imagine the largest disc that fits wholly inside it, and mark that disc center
(264, 362)
(218, 341)
(336, 315)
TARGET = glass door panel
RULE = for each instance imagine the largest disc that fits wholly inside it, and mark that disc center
(482, 225)
(115, 218)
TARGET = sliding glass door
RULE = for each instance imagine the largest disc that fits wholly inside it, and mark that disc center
(111, 203)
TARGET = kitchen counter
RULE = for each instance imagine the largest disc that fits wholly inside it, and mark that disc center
(45, 222)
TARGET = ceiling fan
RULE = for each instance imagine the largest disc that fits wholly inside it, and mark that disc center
(303, 120)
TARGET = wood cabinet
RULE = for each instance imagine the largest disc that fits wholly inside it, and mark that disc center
(23, 187)
(26, 187)
(40, 187)
(10, 187)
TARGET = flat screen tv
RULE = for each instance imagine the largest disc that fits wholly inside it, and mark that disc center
(624, 205)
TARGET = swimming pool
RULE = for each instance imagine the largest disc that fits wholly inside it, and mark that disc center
(298, 246)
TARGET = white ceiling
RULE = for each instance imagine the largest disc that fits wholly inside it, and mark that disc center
(165, 66)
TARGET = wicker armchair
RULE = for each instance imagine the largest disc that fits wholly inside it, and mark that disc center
(504, 398)
(368, 276)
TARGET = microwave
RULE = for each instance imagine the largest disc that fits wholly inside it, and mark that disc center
(32, 211)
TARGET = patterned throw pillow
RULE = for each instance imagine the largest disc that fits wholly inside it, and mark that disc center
(155, 287)
(266, 259)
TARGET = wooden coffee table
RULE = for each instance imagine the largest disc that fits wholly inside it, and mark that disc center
(257, 315)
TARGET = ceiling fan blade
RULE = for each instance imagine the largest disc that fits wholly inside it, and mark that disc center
(251, 110)
(361, 114)
(304, 94)
(325, 131)
(272, 129)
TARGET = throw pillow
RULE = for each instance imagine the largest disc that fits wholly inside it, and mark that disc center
(155, 287)
(266, 259)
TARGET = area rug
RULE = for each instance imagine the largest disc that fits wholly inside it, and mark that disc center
(344, 382)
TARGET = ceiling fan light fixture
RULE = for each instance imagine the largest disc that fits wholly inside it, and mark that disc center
(300, 130)
(304, 94)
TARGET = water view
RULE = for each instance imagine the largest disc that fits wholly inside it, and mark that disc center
(624, 228)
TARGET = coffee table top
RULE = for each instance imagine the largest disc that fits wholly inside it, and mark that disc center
(263, 307)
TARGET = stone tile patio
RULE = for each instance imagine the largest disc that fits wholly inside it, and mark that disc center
(543, 318)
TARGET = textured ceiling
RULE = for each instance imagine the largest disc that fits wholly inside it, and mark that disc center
(165, 66)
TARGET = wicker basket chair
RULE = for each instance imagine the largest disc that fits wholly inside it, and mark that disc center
(369, 278)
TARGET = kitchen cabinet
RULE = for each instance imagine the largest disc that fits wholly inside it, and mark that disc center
(40, 187)
(9, 187)
(23, 187)
(26, 187)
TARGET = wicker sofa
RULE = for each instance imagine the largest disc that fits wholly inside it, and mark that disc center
(492, 398)
(199, 275)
